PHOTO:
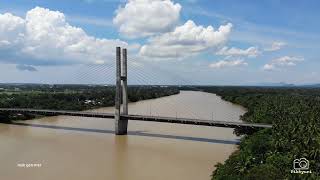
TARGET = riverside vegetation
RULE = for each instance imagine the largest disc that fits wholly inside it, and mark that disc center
(69, 97)
(264, 154)
(268, 154)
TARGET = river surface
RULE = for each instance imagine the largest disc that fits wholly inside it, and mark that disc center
(82, 148)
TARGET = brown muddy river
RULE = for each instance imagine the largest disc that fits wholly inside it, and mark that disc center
(68, 148)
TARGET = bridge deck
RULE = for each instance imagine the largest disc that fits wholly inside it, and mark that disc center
(201, 122)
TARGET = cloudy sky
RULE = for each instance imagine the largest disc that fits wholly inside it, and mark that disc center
(217, 42)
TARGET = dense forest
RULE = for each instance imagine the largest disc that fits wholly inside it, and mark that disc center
(70, 97)
(269, 153)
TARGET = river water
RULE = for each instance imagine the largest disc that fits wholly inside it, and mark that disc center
(86, 148)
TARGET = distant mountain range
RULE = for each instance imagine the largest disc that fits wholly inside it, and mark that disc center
(283, 84)
(275, 84)
(312, 85)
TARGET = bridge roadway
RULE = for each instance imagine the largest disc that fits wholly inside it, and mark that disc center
(227, 124)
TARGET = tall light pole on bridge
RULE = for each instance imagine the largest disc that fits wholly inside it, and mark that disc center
(121, 123)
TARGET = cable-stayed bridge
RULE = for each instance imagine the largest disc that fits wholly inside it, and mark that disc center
(121, 116)
(176, 120)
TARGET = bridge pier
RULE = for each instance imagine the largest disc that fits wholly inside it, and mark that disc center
(121, 123)
(124, 77)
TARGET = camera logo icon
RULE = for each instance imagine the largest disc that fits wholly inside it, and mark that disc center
(301, 164)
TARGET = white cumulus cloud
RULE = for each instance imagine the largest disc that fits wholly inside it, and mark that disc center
(44, 37)
(276, 46)
(11, 30)
(228, 63)
(185, 40)
(250, 52)
(284, 61)
(141, 18)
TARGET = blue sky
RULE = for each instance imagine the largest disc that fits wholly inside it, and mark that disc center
(220, 42)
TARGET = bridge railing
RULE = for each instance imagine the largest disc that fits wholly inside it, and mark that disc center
(201, 122)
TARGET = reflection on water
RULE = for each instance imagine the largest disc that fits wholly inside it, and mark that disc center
(86, 148)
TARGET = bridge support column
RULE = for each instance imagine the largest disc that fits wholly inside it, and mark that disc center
(124, 86)
(120, 124)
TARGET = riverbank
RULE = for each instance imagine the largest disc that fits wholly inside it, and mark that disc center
(150, 151)
(269, 153)
(70, 97)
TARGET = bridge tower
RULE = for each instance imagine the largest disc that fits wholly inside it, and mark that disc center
(121, 123)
